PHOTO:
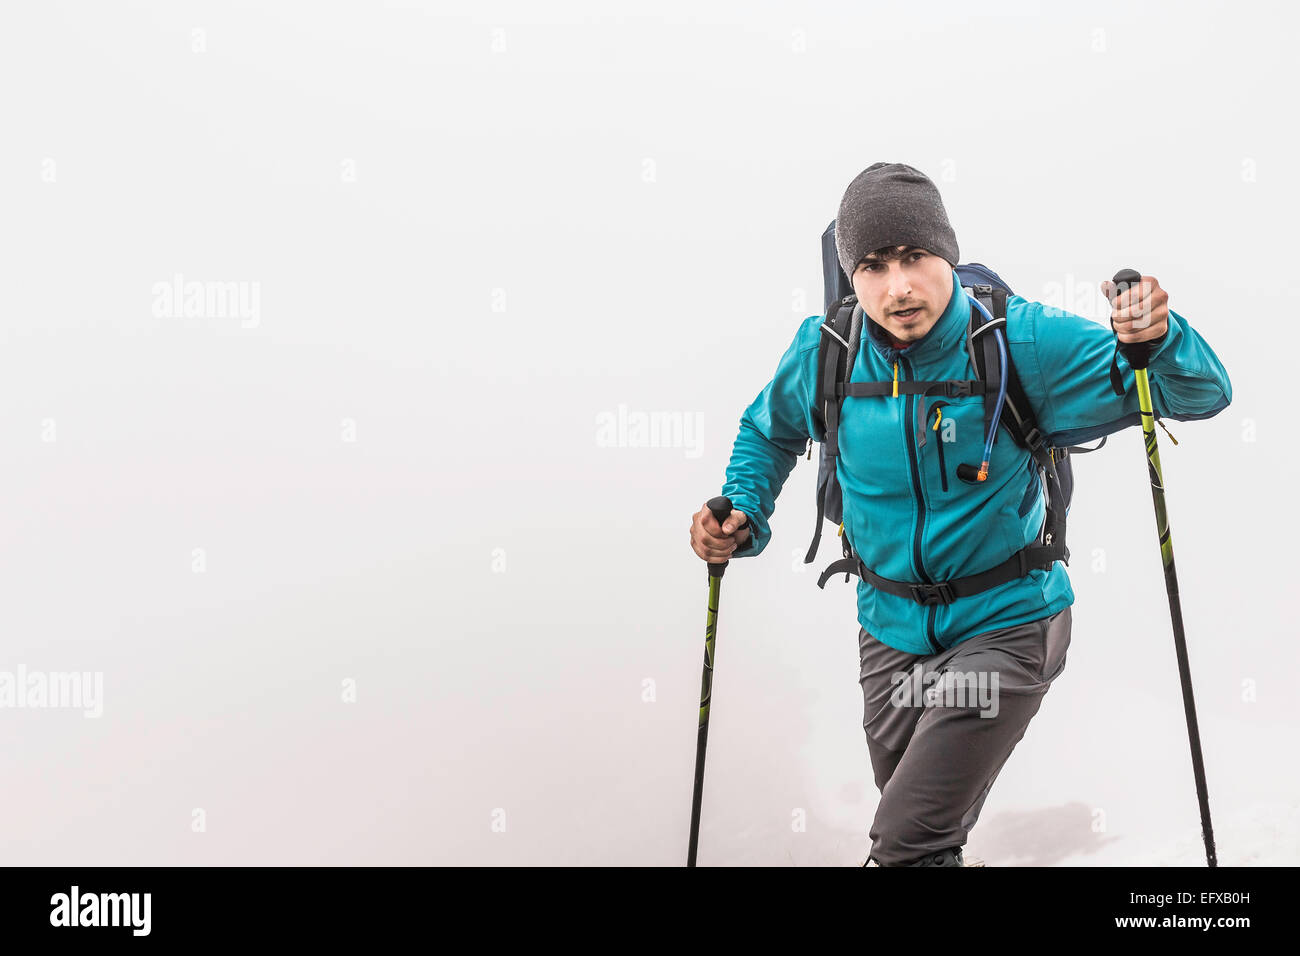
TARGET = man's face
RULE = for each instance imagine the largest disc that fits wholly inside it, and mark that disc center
(919, 280)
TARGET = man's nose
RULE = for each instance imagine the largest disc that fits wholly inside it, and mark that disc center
(899, 285)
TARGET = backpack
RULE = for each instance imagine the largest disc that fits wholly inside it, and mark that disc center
(985, 342)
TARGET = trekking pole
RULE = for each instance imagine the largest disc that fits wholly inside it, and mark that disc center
(721, 509)
(1138, 354)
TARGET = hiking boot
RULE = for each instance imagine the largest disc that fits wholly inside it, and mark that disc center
(949, 857)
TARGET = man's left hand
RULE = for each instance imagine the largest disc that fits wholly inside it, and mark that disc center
(1141, 312)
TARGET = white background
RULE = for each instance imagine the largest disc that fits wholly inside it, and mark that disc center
(475, 230)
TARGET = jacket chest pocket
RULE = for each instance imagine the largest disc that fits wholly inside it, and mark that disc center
(952, 434)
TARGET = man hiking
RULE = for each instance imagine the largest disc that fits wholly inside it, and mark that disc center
(949, 683)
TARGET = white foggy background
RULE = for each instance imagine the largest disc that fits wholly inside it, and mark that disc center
(478, 227)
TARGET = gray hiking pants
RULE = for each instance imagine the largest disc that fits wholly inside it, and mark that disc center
(940, 726)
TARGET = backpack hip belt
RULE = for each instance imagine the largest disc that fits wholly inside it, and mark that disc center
(945, 592)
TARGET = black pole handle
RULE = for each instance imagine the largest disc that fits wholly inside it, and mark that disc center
(721, 509)
(1137, 353)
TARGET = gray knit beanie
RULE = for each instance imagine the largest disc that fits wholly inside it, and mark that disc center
(892, 204)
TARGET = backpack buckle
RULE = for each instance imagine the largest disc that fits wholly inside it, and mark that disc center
(926, 594)
(957, 389)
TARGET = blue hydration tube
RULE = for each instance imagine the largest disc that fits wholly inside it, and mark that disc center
(1002, 388)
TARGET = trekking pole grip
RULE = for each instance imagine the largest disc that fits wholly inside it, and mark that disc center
(721, 509)
(1137, 353)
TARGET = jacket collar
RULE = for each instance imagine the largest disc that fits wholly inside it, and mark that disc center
(935, 344)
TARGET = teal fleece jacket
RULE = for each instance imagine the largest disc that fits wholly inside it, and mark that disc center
(905, 510)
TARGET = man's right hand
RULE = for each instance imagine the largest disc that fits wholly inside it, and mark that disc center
(713, 543)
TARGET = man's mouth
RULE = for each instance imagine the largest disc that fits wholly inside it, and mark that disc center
(906, 314)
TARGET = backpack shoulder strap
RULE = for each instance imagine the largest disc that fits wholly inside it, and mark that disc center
(1019, 419)
(841, 336)
(1017, 414)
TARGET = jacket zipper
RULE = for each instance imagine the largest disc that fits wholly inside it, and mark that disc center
(909, 431)
(916, 476)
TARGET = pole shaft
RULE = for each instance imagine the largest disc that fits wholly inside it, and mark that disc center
(706, 692)
(1175, 605)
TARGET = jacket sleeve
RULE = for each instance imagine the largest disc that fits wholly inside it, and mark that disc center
(774, 432)
(1072, 391)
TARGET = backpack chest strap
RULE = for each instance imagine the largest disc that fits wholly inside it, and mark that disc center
(951, 388)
